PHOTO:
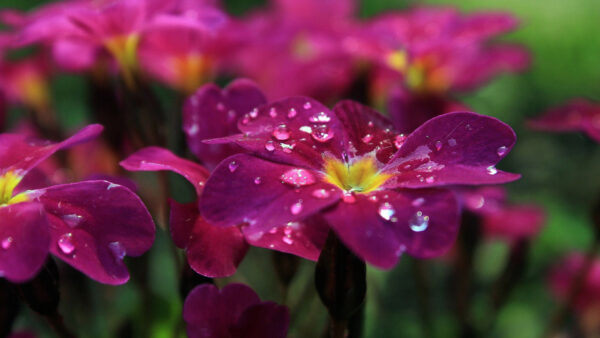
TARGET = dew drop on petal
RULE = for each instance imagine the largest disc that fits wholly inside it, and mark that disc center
(399, 140)
(386, 211)
(401, 249)
(492, 170)
(417, 202)
(438, 145)
(373, 198)
(233, 165)
(307, 105)
(281, 132)
(419, 222)
(253, 113)
(269, 145)
(287, 240)
(367, 138)
(273, 112)
(7, 243)
(73, 220)
(220, 106)
(348, 197)
(287, 148)
(320, 193)
(451, 142)
(320, 117)
(430, 179)
(291, 113)
(501, 151)
(296, 208)
(298, 177)
(306, 129)
(117, 249)
(193, 129)
(65, 243)
(322, 133)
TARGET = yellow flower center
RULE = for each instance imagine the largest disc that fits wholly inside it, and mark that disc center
(423, 75)
(8, 183)
(124, 50)
(360, 176)
(190, 72)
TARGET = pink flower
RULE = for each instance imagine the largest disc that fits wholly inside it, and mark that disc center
(577, 115)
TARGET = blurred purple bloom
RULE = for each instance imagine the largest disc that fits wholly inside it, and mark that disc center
(91, 225)
(379, 190)
(232, 312)
(577, 115)
(564, 274)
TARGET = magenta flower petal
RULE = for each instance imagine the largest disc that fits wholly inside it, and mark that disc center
(304, 239)
(296, 130)
(155, 159)
(515, 222)
(454, 148)
(21, 153)
(246, 189)
(235, 309)
(381, 226)
(578, 114)
(212, 113)
(94, 225)
(211, 251)
(367, 130)
(564, 274)
(24, 240)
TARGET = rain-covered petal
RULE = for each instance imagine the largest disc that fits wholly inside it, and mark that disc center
(211, 251)
(20, 152)
(296, 130)
(381, 226)
(247, 189)
(212, 112)
(304, 239)
(94, 225)
(234, 311)
(24, 240)
(454, 148)
(367, 130)
(156, 158)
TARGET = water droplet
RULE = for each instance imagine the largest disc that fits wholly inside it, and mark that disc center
(7, 243)
(320, 193)
(370, 124)
(292, 113)
(257, 180)
(399, 140)
(233, 165)
(419, 222)
(269, 145)
(65, 243)
(117, 249)
(417, 202)
(296, 208)
(430, 179)
(287, 148)
(373, 198)
(322, 133)
(72, 220)
(298, 177)
(287, 240)
(281, 132)
(306, 129)
(245, 120)
(348, 197)
(273, 112)
(320, 117)
(367, 138)
(492, 170)
(193, 129)
(451, 142)
(438, 145)
(307, 105)
(253, 113)
(220, 106)
(501, 151)
(386, 211)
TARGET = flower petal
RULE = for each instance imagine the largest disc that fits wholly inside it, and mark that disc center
(246, 189)
(94, 224)
(24, 240)
(367, 130)
(211, 251)
(296, 130)
(212, 112)
(20, 152)
(155, 159)
(209, 312)
(454, 148)
(304, 239)
(423, 223)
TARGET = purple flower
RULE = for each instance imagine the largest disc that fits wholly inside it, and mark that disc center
(563, 276)
(577, 115)
(26, 81)
(501, 219)
(91, 225)
(381, 192)
(234, 311)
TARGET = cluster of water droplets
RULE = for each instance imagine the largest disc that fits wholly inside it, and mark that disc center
(418, 222)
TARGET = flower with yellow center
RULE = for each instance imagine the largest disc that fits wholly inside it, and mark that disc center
(360, 176)
(124, 49)
(8, 183)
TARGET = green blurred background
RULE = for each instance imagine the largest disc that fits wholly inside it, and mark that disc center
(560, 171)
